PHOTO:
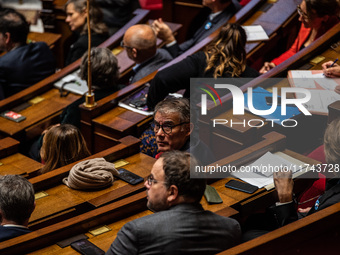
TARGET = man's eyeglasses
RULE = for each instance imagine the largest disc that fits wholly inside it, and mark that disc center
(151, 180)
(124, 46)
(167, 128)
(302, 13)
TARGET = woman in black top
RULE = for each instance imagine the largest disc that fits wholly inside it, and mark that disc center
(224, 57)
(77, 20)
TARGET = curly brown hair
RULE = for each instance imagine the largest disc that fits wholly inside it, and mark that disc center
(226, 53)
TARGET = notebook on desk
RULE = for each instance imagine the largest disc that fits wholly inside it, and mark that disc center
(72, 83)
(320, 86)
(260, 172)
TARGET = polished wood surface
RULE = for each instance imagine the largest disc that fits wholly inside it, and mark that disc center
(49, 38)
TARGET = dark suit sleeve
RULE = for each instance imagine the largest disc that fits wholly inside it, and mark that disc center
(174, 78)
(126, 241)
(284, 214)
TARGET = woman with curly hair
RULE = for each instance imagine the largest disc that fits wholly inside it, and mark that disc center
(76, 17)
(62, 145)
(224, 57)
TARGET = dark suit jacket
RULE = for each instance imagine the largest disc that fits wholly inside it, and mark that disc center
(182, 229)
(116, 13)
(177, 77)
(161, 58)
(11, 232)
(287, 213)
(80, 46)
(176, 49)
(25, 66)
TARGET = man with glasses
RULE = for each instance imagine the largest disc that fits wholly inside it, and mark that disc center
(180, 224)
(140, 44)
(172, 129)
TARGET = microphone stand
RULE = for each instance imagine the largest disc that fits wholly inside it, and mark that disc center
(89, 97)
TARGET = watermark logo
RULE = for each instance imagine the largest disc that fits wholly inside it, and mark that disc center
(238, 100)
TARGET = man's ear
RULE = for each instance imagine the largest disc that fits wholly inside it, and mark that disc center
(189, 128)
(8, 37)
(134, 52)
(173, 194)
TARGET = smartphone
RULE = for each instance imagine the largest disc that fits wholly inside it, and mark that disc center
(85, 247)
(241, 186)
(129, 177)
(269, 101)
(11, 115)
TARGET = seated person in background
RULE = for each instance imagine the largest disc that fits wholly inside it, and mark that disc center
(284, 212)
(62, 145)
(140, 44)
(23, 64)
(221, 12)
(317, 17)
(16, 206)
(105, 73)
(171, 130)
(77, 20)
(180, 224)
(224, 57)
(117, 13)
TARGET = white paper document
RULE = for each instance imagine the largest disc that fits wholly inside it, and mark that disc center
(320, 99)
(255, 33)
(73, 83)
(260, 172)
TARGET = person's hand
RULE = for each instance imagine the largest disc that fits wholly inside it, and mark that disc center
(331, 72)
(266, 67)
(304, 210)
(162, 31)
(284, 185)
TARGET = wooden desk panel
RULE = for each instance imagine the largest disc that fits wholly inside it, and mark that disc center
(52, 104)
(49, 38)
(66, 199)
(19, 164)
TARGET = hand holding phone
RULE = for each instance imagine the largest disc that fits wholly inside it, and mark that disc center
(241, 186)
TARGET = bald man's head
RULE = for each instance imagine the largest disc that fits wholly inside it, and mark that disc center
(141, 42)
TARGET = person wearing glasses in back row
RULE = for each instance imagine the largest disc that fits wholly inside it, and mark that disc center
(180, 224)
(172, 129)
(317, 17)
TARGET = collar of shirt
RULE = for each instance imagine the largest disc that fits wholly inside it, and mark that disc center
(15, 226)
(213, 15)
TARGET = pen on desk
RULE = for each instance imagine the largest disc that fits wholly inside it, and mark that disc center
(334, 62)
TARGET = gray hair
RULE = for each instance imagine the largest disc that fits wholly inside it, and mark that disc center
(178, 105)
(16, 198)
(104, 67)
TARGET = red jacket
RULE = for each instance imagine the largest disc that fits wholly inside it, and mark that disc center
(301, 39)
